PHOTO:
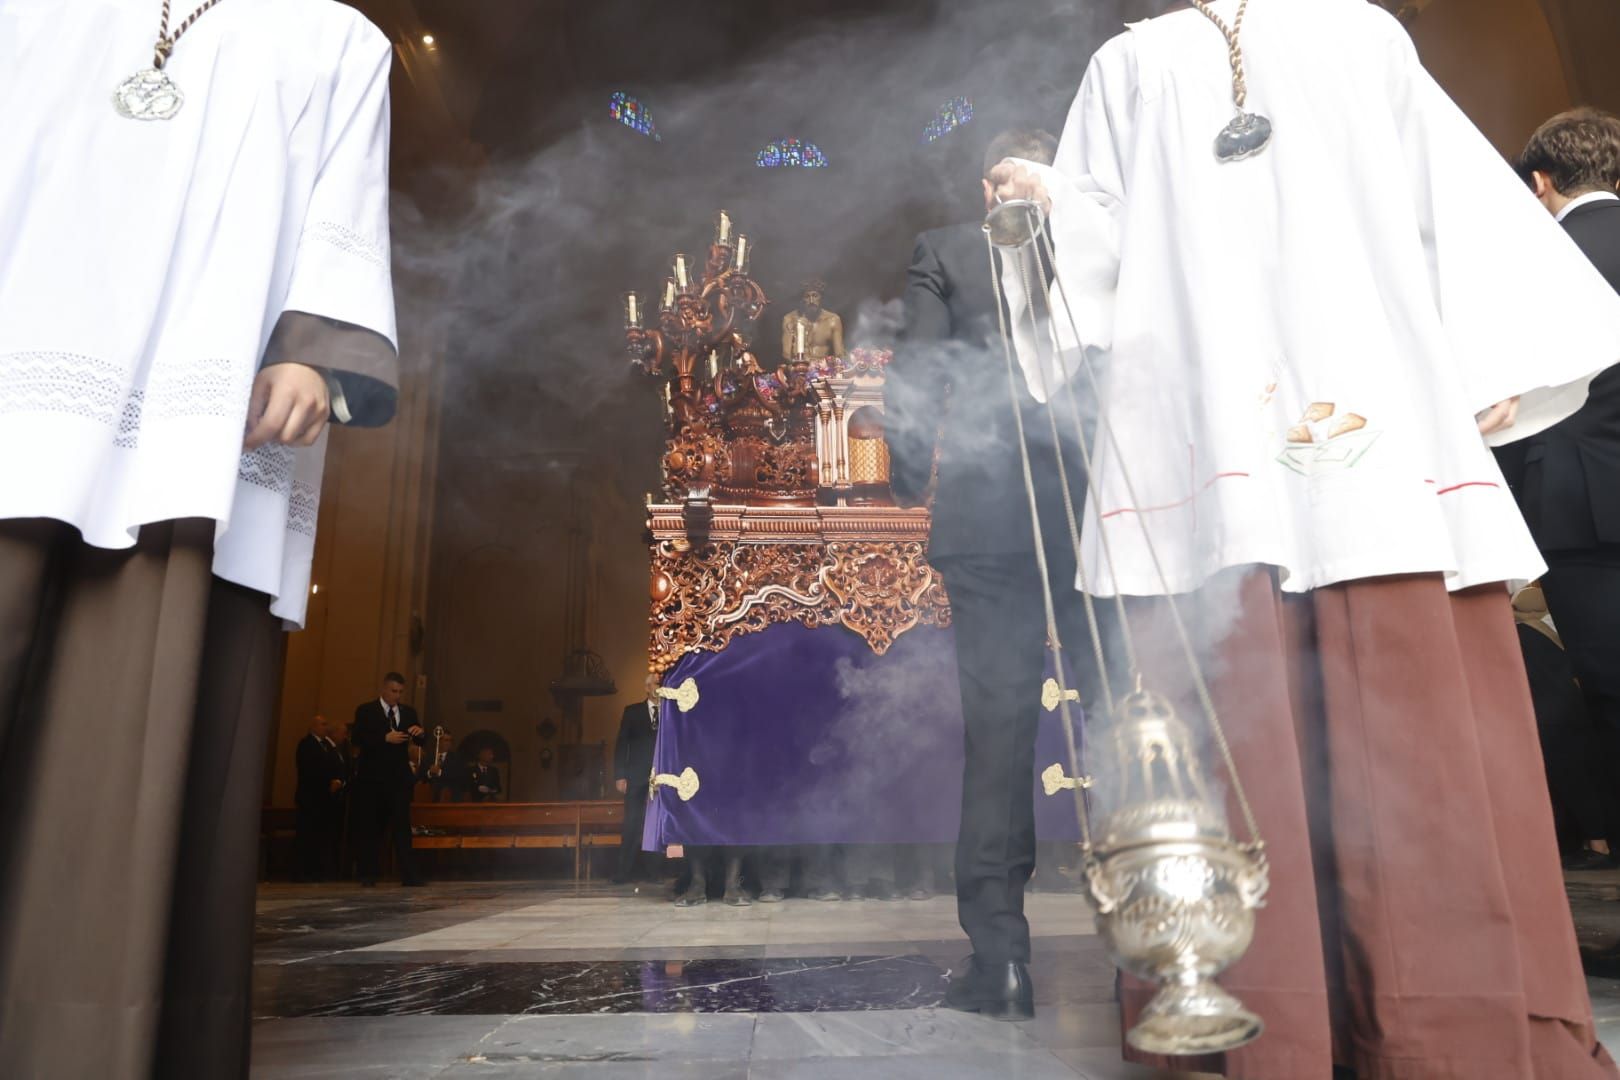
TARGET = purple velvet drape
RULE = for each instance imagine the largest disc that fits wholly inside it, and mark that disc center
(806, 736)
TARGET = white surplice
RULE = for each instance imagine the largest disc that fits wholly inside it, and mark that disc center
(1294, 346)
(143, 264)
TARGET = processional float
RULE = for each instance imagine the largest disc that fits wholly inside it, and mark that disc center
(775, 504)
(1175, 893)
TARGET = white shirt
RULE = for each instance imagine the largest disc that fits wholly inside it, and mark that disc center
(143, 264)
(390, 711)
(1295, 345)
(1582, 200)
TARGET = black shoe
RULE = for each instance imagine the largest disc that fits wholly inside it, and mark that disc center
(999, 991)
(826, 895)
(772, 896)
(888, 893)
(920, 893)
(855, 895)
(737, 899)
(1587, 859)
(691, 900)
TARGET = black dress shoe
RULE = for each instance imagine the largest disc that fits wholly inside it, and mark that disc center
(920, 893)
(826, 895)
(691, 900)
(772, 896)
(737, 899)
(1588, 859)
(998, 991)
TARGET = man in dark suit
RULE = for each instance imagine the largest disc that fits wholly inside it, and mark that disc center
(449, 774)
(485, 781)
(322, 775)
(1567, 479)
(632, 769)
(384, 729)
(949, 377)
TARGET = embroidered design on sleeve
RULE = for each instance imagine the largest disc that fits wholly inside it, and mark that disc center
(273, 467)
(269, 467)
(303, 508)
(63, 382)
(129, 424)
(213, 386)
(350, 242)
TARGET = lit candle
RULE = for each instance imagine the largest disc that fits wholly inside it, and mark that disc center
(669, 294)
(632, 311)
(798, 336)
(722, 228)
(682, 278)
(667, 403)
(714, 363)
(741, 262)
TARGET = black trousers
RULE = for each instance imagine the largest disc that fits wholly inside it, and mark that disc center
(631, 857)
(379, 808)
(1583, 596)
(314, 842)
(998, 614)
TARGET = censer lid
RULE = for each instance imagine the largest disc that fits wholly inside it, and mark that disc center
(1154, 791)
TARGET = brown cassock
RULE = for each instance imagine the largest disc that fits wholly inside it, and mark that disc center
(137, 694)
(1417, 926)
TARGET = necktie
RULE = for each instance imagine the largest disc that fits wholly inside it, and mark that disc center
(393, 717)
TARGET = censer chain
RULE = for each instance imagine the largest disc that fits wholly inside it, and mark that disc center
(1105, 428)
(1050, 606)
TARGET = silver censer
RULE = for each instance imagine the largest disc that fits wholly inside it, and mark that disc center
(1175, 894)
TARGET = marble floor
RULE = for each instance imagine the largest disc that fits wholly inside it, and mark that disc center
(601, 982)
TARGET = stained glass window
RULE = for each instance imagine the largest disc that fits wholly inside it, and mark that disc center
(632, 114)
(952, 115)
(791, 153)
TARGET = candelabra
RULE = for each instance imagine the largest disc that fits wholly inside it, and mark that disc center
(737, 432)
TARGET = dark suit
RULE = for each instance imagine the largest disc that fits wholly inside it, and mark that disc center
(1566, 738)
(383, 785)
(454, 780)
(1567, 482)
(320, 809)
(950, 365)
(632, 763)
(486, 777)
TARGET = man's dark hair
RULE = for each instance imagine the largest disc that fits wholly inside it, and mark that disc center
(1579, 150)
(394, 676)
(1030, 144)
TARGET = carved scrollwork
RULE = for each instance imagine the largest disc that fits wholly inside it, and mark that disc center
(698, 456)
(885, 589)
(705, 596)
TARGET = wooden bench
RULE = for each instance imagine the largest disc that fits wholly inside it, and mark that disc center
(579, 826)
